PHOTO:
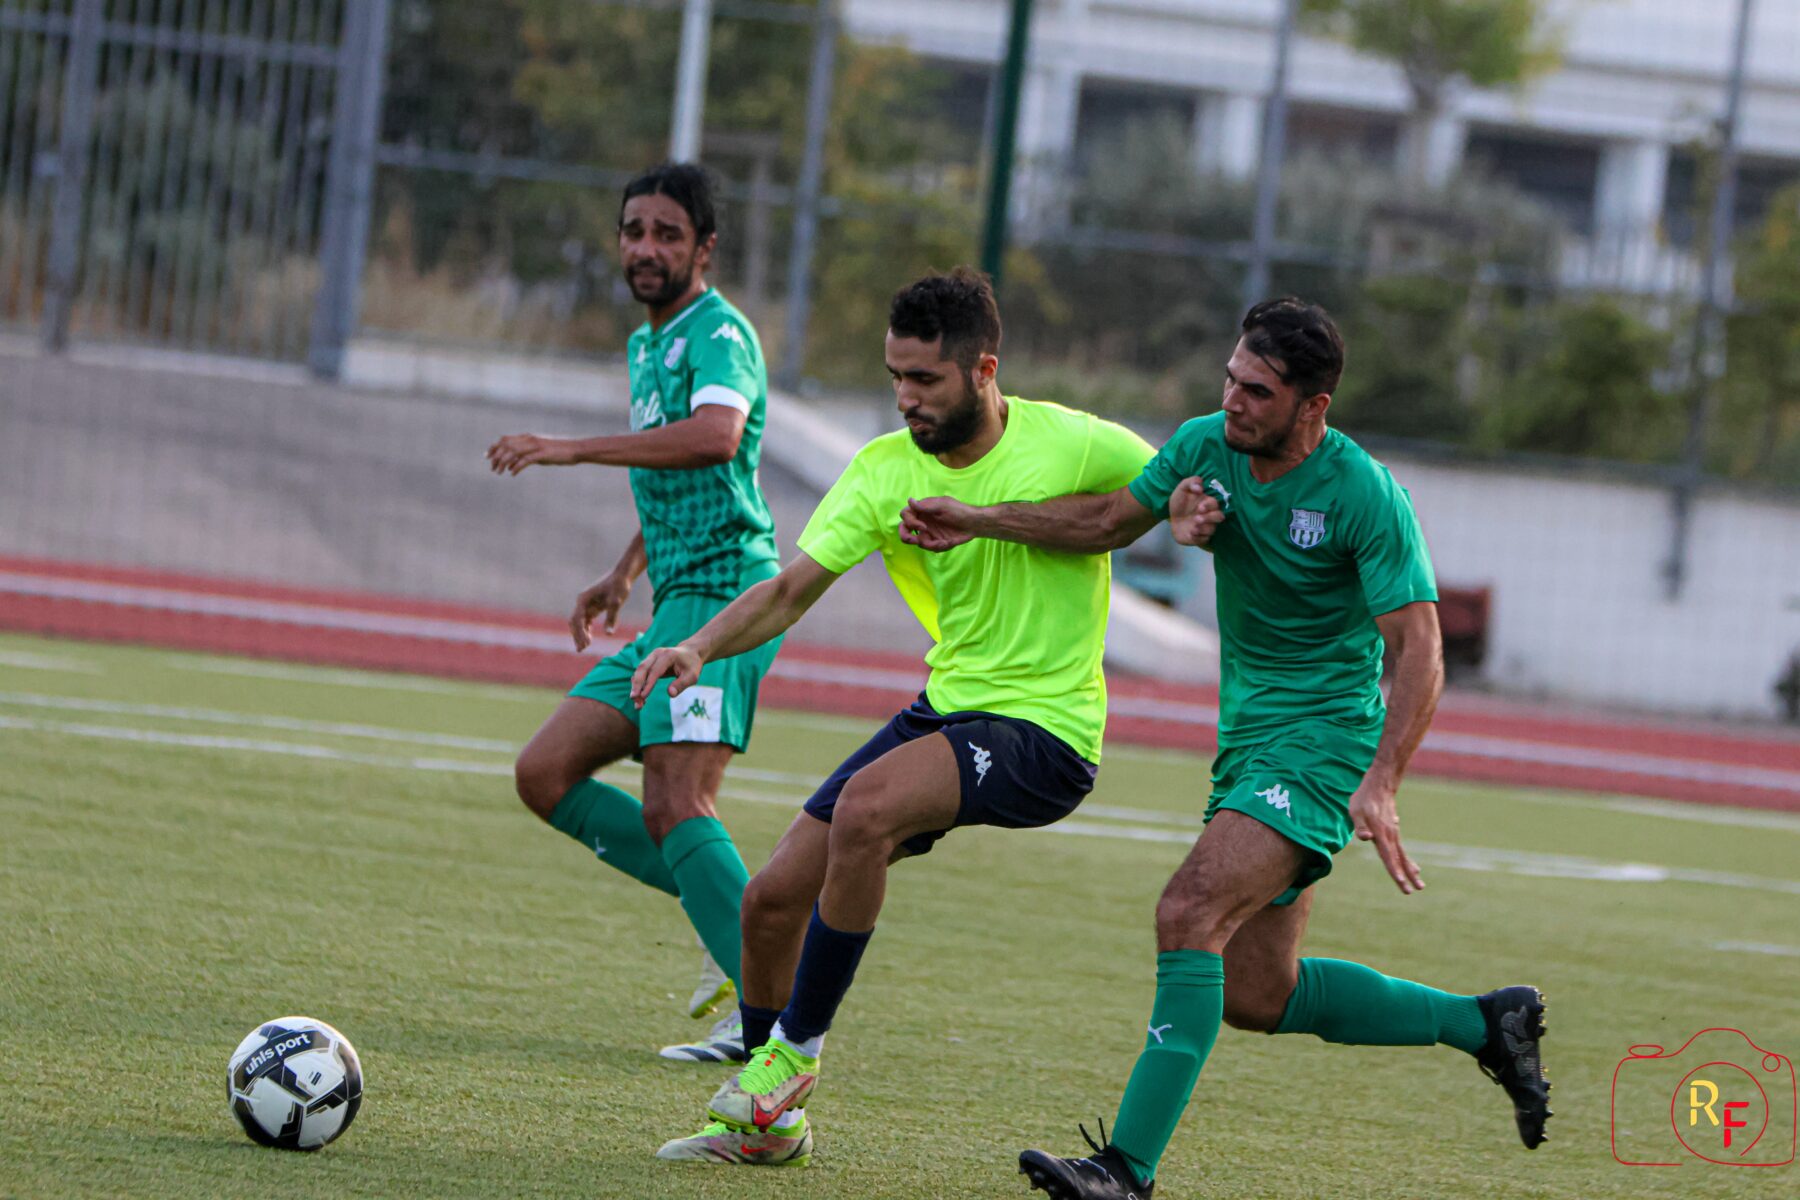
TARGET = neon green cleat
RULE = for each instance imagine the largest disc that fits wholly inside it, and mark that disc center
(778, 1078)
(719, 1143)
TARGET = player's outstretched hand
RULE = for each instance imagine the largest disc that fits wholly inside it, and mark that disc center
(936, 523)
(602, 598)
(677, 661)
(1377, 819)
(1194, 513)
(516, 451)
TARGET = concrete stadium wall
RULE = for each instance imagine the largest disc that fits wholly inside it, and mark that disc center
(1580, 608)
(1580, 611)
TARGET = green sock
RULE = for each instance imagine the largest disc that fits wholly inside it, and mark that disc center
(1352, 1005)
(1184, 1023)
(610, 822)
(711, 875)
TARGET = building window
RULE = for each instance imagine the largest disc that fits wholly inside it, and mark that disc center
(1560, 173)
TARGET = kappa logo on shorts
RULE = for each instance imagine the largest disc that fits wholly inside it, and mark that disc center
(1277, 796)
(983, 760)
(695, 715)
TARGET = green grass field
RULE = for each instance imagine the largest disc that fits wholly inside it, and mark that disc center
(191, 845)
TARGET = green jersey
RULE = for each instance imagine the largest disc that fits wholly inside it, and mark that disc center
(1018, 630)
(707, 531)
(1304, 565)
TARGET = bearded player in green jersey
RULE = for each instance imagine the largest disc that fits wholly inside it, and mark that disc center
(698, 398)
(1320, 566)
(1008, 729)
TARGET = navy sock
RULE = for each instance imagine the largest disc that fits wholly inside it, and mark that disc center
(758, 1024)
(827, 965)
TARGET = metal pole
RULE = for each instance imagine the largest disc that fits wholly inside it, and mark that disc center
(1012, 80)
(80, 75)
(1715, 302)
(690, 82)
(349, 184)
(1268, 167)
(806, 196)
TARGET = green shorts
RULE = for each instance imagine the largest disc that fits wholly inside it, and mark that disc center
(1299, 784)
(719, 708)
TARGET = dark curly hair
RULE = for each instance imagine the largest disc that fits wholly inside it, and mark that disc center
(687, 184)
(1302, 338)
(958, 307)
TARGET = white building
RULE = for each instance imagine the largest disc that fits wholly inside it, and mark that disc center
(1601, 139)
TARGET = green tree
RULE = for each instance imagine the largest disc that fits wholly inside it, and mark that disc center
(1759, 421)
(1585, 383)
(1436, 43)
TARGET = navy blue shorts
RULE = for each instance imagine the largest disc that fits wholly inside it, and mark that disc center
(1014, 774)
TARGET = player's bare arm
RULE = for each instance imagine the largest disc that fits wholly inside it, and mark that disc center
(761, 613)
(706, 439)
(1074, 524)
(607, 594)
(1416, 681)
(1194, 513)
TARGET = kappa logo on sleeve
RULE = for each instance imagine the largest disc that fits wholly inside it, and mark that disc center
(731, 334)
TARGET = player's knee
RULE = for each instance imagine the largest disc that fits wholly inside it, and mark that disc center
(665, 808)
(541, 784)
(1254, 1010)
(864, 822)
(1191, 917)
(771, 904)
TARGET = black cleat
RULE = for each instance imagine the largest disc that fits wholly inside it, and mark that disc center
(1103, 1175)
(1515, 1025)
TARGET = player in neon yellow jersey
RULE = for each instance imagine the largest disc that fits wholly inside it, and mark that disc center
(698, 398)
(1320, 565)
(1007, 732)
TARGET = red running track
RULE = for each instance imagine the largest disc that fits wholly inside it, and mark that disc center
(1473, 737)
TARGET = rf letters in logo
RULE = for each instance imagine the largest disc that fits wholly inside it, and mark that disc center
(1307, 529)
(696, 714)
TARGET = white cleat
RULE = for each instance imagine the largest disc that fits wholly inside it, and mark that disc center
(725, 1043)
(715, 988)
(720, 1143)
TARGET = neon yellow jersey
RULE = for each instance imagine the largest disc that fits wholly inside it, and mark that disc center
(1019, 630)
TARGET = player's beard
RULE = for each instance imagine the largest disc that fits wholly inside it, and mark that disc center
(955, 428)
(1269, 445)
(658, 288)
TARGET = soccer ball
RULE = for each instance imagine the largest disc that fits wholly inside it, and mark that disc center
(294, 1083)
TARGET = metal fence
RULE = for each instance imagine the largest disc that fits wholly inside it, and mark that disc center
(181, 172)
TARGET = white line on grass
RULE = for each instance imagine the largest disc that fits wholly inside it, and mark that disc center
(26, 661)
(338, 677)
(1473, 858)
(1759, 948)
(242, 720)
(1200, 716)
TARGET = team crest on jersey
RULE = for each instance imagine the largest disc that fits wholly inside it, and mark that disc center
(674, 354)
(1307, 529)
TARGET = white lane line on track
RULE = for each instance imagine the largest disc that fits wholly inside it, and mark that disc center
(341, 677)
(1176, 712)
(1473, 858)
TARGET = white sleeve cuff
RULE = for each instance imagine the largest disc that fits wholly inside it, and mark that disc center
(718, 393)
